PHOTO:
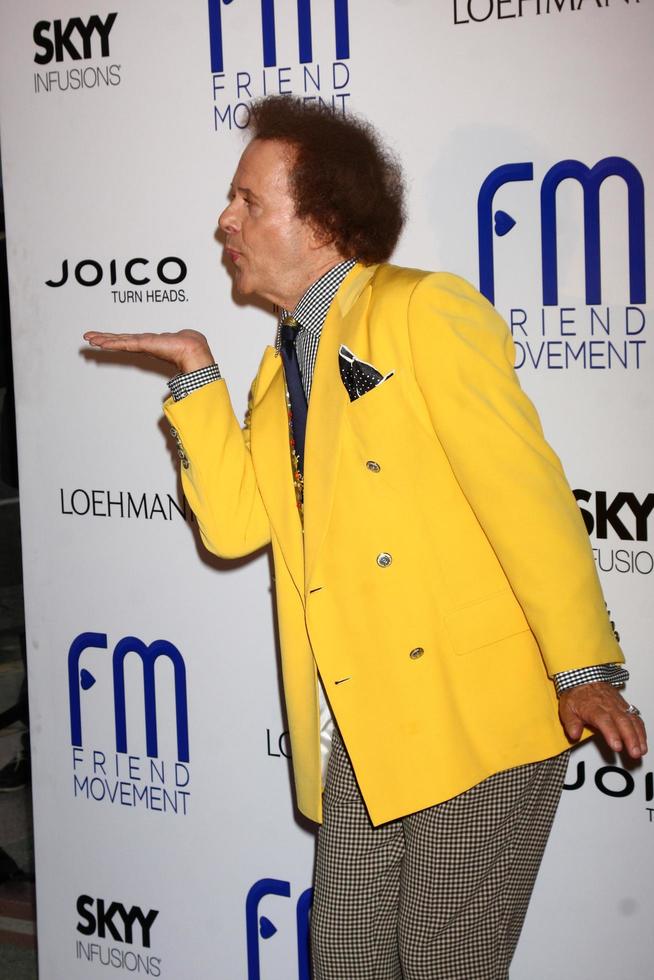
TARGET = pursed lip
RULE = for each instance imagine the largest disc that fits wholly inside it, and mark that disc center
(233, 254)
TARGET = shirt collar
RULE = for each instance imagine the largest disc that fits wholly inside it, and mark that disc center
(314, 304)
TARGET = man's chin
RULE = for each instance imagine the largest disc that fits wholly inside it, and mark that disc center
(241, 284)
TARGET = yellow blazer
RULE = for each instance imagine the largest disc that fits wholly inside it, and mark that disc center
(438, 665)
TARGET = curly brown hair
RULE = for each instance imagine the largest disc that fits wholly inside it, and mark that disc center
(343, 179)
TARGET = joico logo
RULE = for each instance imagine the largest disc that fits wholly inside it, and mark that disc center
(159, 275)
(260, 927)
(599, 337)
(236, 82)
(120, 777)
(74, 40)
(624, 516)
(615, 782)
(111, 920)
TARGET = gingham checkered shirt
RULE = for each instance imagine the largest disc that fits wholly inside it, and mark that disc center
(310, 313)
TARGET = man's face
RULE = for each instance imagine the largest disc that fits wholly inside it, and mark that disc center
(273, 252)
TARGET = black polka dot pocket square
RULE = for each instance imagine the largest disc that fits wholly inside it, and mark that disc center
(359, 377)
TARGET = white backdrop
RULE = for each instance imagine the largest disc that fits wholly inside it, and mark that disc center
(120, 133)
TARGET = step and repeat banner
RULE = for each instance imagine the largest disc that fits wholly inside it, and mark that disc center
(167, 844)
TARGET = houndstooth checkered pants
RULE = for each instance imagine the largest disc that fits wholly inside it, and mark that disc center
(437, 895)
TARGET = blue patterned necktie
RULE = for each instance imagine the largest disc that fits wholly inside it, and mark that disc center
(287, 335)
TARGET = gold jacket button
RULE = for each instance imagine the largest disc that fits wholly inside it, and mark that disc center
(373, 466)
(416, 653)
(384, 559)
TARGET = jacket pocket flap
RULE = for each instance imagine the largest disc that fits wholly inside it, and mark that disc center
(486, 621)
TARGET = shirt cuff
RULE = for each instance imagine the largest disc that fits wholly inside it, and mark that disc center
(183, 384)
(615, 674)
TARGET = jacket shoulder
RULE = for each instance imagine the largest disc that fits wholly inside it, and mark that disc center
(388, 274)
(434, 295)
(453, 289)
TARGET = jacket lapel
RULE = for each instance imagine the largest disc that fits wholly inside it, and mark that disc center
(272, 463)
(345, 324)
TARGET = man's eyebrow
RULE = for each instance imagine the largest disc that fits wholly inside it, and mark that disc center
(244, 191)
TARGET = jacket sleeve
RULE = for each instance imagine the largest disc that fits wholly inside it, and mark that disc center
(463, 357)
(217, 474)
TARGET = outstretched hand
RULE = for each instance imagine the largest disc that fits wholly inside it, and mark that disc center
(599, 706)
(186, 350)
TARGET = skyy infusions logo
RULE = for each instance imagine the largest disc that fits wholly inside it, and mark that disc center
(324, 77)
(111, 920)
(600, 335)
(625, 517)
(116, 776)
(74, 40)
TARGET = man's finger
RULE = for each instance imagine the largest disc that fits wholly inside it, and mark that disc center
(607, 725)
(632, 732)
(617, 725)
(135, 343)
(123, 340)
(572, 724)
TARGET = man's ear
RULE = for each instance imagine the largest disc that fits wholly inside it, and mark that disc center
(318, 237)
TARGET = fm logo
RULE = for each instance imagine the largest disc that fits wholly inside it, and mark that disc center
(98, 918)
(591, 179)
(625, 514)
(83, 680)
(89, 272)
(269, 38)
(261, 927)
(67, 34)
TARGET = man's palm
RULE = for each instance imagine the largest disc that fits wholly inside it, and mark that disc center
(187, 350)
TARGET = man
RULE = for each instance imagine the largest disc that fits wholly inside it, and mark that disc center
(432, 569)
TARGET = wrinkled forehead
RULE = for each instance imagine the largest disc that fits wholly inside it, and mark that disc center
(268, 163)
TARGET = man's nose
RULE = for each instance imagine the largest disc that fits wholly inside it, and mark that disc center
(228, 220)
